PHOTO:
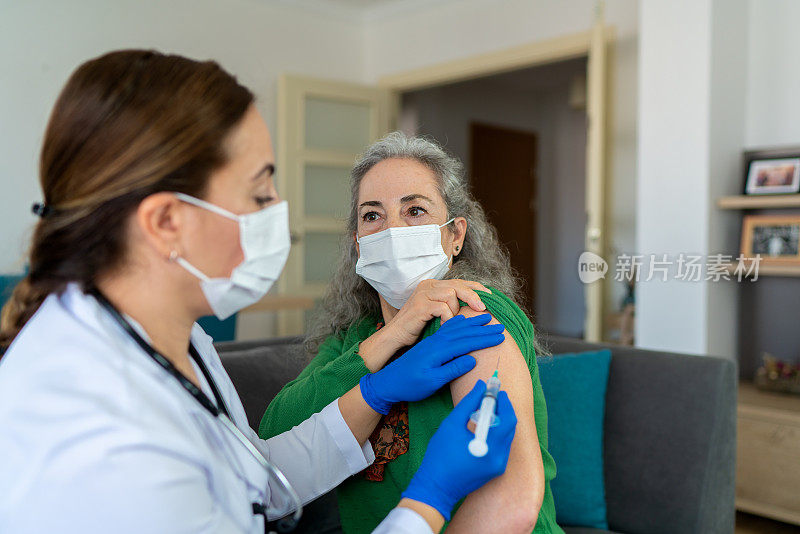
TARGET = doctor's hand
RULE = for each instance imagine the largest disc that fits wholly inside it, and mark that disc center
(431, 363)
(449, 472)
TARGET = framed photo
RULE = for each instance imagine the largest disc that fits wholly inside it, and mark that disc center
(775, 237)
(772, 172)
(771, 176)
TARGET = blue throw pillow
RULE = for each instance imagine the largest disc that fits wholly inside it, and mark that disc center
(575, 391)
(219, 330)
(7, 284)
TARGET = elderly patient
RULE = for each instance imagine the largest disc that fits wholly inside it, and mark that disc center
(422, 252)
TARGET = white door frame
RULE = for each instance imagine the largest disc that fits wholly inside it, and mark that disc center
(583, 44)
(293, 156)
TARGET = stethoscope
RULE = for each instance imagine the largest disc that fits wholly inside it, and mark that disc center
(220, 411)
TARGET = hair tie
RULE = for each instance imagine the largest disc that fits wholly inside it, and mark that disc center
(40, 209)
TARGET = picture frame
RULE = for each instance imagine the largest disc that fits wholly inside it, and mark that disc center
(775, 237)
(772, 172)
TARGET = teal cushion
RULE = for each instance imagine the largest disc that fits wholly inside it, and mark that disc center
(7, 284)
(575, 388)
(219, 330)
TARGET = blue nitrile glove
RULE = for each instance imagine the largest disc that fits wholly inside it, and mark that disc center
(449, 472)
(430, 364)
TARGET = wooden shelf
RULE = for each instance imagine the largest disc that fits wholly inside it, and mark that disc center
(749, 202)
(770, 270)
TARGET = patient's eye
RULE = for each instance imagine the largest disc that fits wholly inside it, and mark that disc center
(370, 216)
(416, 211)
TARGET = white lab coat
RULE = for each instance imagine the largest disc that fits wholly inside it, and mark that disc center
(97, 437)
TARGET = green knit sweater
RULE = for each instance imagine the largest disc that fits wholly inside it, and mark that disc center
(337, 368)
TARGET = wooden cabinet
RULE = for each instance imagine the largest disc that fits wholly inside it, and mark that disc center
(768, 454)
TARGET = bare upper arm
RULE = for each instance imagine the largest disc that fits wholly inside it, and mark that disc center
(512, 368)
(523, 480)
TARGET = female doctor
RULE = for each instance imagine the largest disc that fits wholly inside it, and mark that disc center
(116, 414)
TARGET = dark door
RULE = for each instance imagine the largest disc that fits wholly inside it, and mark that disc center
(503, 179)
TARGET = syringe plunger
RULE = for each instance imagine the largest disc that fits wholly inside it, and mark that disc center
(485, 417)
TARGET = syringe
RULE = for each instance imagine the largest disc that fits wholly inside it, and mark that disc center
(485, 417)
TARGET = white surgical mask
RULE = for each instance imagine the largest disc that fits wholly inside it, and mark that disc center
(394, 261)
(264, 237)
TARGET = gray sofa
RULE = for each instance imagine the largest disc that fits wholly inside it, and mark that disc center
(670, 430)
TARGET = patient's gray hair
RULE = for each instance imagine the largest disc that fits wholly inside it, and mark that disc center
(482, 259)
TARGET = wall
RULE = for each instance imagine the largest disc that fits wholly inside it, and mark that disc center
(42, 42)
(691, 124)
(534, 100)
(453, 30)
(726, 142)
(773, 80)
(669, 79)
(769, 306)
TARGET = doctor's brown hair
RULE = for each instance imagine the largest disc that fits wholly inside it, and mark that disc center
(127, 124)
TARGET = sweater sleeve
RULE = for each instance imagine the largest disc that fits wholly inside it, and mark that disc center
(335, 370)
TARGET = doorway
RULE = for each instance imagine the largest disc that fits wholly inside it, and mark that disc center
(511, 154)
(522, 137)
(591, 46)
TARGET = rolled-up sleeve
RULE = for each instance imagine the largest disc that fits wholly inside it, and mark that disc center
(403, 521)
(358, 457)
(316, 456)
